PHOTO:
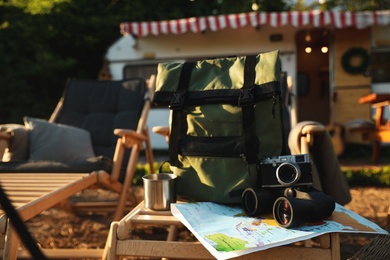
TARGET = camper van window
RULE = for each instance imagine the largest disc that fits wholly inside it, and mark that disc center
(380, 67)
(139, 71)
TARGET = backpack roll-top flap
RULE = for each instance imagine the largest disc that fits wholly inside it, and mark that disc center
(218, 80)
(225, 116)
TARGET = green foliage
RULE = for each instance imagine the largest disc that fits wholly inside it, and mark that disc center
(35, 6)
(41, 51)
(45, 42)
(144, 169)
(356, 5)
(345, 5)
(379, 177)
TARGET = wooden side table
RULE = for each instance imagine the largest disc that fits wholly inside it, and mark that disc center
(119, 242)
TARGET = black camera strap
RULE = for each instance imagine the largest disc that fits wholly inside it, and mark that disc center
(20, 227)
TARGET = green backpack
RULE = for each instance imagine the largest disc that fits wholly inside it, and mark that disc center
(226, 115)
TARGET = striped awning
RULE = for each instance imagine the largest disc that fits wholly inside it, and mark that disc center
(337, 19)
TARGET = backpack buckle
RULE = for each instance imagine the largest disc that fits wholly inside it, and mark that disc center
(178, 101)
(246, 97)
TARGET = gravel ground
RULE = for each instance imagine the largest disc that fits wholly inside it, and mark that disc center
(56, 228)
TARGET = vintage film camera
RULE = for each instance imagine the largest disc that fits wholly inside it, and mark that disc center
(284, 189)
(285, 171)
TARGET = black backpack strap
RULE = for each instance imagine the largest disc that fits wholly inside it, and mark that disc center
(246, 101)
(179, 122)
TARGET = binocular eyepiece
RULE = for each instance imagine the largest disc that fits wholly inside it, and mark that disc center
(291, 207)
(257, 202)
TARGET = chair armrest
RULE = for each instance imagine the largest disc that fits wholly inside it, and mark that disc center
(313, 129)
(162, 130)
(130, 137)
(380, 104)
(308, 132)
(5, 135)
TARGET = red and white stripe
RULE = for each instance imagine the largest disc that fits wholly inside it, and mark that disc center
(337, 19)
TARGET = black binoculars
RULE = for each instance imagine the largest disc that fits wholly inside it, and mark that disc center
(290, 206)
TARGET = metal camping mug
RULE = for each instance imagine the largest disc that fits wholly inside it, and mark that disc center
(159, 190)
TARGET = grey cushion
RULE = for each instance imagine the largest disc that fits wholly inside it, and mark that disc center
(18, 144)
(57, 142)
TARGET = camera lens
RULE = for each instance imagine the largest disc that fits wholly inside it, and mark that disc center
(283, 212)
(288, 173)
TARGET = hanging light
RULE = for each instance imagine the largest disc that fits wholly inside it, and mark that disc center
(308, 49)
(255, 6)
(308, 37)
(324, 49)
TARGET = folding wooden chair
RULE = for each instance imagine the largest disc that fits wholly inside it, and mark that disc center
(115, 114)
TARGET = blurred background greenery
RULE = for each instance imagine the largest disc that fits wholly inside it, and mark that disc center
(45, 42)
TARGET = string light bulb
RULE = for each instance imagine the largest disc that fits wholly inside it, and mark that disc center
(308, 37)
(308, 49)
(255, 6)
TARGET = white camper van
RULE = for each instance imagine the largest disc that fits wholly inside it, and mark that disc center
(312, 47)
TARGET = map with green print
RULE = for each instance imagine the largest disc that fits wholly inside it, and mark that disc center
(225, 243)
(227, 232)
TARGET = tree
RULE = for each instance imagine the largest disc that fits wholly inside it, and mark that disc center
(43, 43)
(345, 5)
(28, 66)
(40, 50)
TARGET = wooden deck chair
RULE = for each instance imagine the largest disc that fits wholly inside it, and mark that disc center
(113, 114)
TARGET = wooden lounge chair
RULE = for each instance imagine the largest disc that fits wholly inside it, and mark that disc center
(114, 113)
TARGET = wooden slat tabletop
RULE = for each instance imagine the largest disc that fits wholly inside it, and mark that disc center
(23, 188)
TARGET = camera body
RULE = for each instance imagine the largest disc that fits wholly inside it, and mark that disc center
(285, 171)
